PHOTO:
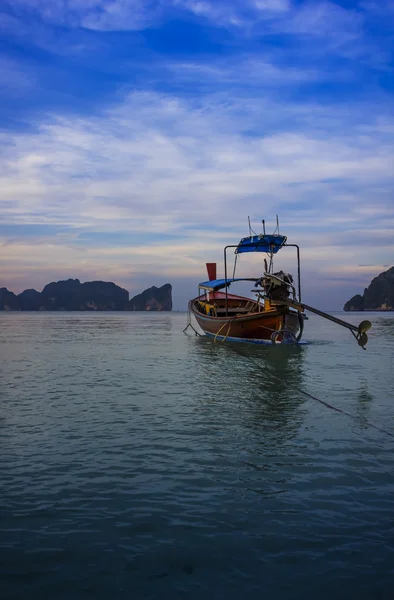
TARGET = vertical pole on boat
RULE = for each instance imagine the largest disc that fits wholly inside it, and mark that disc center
(225, 278)
(263, 226)
(299, 272)
(298, 268)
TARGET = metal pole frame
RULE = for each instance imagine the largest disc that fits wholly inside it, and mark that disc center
(225, 272)
(284, 245)
(298, 268)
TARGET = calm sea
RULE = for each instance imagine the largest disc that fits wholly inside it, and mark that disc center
(137, 462)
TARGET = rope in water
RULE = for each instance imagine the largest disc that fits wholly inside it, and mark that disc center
(344, 412)
(323, 402)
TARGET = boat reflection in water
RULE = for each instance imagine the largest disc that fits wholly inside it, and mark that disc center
(257, 385)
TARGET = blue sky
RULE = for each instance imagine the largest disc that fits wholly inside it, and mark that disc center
(137, 136)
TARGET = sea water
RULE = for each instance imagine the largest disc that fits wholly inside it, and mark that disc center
(138, 462)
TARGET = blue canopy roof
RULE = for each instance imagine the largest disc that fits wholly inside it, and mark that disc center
(217, 284)
(261, 243)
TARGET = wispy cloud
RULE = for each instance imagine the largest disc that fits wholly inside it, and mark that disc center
(158, 150)
(314, 18)
(340, 30)
(322, 19)
(157, 164)
(93, 14)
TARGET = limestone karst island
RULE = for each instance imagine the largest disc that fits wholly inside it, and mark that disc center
(92, 295)
(379, 295)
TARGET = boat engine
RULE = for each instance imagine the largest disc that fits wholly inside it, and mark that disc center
(277, 286)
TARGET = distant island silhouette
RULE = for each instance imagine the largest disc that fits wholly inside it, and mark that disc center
(379, 295)
(71, 295)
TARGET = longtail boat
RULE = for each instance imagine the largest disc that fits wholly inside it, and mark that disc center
(276, 314)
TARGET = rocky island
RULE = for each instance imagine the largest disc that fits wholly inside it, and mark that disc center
(153, 299)
(379, 295)
(92, 295)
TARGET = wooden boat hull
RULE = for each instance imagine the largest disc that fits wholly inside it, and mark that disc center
(257, 327)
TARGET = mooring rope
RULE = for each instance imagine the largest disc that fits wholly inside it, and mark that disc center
(344, 412)
(323, 402)
(189, 324)
(228, 330)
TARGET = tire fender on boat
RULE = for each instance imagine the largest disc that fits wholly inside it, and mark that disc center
(288, 336)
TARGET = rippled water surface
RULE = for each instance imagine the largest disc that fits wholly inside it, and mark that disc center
(137, 462)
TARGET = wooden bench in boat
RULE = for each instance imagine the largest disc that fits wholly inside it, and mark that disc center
(221, 312)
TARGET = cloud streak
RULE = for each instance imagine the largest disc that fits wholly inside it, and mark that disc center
(153, 149)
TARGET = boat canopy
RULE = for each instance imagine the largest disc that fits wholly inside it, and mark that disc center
(261, 243)
(218, 284)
